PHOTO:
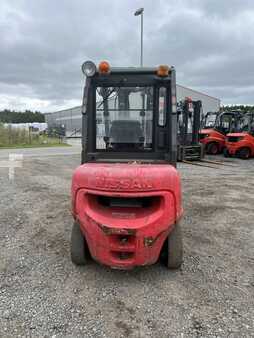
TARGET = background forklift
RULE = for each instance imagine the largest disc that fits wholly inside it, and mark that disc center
(126, 194)
(241, 144)
(189, 115)
(214, 137)
(189, 149)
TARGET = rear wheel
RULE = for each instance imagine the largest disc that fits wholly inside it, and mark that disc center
(172, 251)
(79, 249)
(244, 153)
(213, 148)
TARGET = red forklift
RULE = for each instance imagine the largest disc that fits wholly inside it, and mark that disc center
(241, 144)
(126, 194)
(215, 128)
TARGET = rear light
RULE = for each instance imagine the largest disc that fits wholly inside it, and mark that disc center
(163, 70)
(104, 67)
(88, 68)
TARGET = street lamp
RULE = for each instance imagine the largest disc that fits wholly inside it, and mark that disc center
(138, 12)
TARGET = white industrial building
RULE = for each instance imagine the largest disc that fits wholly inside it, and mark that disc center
(70, 118)
(209, 103)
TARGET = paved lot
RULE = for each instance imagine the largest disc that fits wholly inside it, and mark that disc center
(43, 294)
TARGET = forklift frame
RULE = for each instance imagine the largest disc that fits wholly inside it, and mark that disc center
(189, 148)
(128, 214)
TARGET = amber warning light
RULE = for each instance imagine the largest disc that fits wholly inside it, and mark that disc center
(163, 70)
(104, 67)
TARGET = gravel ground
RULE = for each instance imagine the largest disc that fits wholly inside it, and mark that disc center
(43, 294)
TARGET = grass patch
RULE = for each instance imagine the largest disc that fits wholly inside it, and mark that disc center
(21, 138)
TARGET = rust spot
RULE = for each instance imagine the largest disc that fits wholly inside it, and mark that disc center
(148, 241)
(115, 231)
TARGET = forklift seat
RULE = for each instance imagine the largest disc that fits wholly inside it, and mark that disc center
(126, 134)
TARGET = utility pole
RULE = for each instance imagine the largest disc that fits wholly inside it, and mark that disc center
(140, 12)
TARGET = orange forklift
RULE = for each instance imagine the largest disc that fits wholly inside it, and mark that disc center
(215, 128)
(126, 194)
(241, 144)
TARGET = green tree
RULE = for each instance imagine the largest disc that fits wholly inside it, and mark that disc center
(243, 108)
(11, 116)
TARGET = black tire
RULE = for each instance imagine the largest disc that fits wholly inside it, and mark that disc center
(79, 249)
(213, 148)
(244, 153)
(172, 251)
(226, 152)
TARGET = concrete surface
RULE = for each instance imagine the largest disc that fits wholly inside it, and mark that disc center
(42, 294)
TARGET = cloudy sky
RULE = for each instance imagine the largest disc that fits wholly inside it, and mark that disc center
(44, 42)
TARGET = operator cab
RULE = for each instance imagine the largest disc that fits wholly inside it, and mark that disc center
(127, 126)
(209, 120)
(247, 124)
(228, 122)
(129, 114)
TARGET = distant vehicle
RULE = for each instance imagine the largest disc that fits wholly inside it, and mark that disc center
(215, 128)
(241, 144)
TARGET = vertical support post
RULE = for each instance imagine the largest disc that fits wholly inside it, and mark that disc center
(137, 13)
(141, 52)
(84, 120)
(185, 122)
(196, 121)
(172, 125)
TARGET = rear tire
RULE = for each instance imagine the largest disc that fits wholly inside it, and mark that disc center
(172, 251)
(79, 249)
(213, 148)
(244, 153)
